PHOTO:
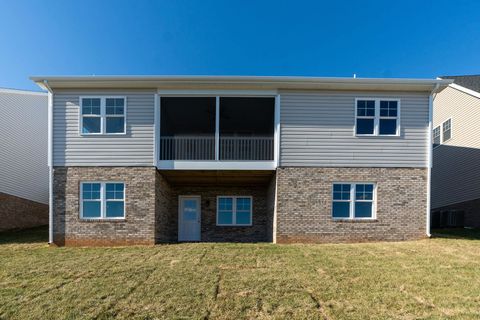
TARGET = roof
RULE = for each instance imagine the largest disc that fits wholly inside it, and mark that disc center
(471, 82)
(18, 91)
(238, 82)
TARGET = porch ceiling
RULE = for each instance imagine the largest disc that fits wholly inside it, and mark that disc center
(218, 177)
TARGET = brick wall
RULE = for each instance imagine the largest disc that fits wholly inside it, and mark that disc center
(271, 208)
(210, 231)
(138, 227)
(20, 213)
(305, 201)
(166, 218)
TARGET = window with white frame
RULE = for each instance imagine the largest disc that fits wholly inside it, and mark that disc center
(377, 117)
(102, 200)
(447, 130)
(353, 201)
(442, 133)
(102, 115)
(436, 137)
(234, 211)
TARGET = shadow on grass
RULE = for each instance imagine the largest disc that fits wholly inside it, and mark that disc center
(457, 233)
(33, 235)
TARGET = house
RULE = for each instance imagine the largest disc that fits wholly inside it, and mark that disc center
(151, 159)
(456, 153)
(23, 155)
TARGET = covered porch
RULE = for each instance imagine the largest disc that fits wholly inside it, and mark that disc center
(217, 132)
(214, 205)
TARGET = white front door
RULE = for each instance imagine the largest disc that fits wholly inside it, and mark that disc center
(189, 218)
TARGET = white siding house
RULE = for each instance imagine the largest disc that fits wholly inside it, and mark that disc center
(23, 159)
(151, 159)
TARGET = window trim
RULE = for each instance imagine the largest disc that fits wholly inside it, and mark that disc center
(352, 201)
(377, 117)
(234, 212)
(103, 116)
(103, 201)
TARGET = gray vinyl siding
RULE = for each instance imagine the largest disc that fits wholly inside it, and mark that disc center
(23, 145)
(135, 148)
(456, 163)
(317, 129)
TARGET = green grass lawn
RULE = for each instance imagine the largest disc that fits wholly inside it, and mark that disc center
(428, 279)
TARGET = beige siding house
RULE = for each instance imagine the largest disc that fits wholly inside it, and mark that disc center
(456, 154)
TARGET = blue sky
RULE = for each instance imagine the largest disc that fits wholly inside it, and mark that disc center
(304, 38)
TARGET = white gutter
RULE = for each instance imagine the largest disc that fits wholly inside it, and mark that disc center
(429, 155)
(50, 161)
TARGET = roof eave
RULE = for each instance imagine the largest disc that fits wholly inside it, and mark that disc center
(238, 82)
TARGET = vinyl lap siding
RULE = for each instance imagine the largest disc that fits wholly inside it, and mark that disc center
(456, 163)
(23, 141)
(317, 129)
(133, 149)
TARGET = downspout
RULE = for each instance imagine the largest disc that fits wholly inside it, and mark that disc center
(50, 162)
(429, 155)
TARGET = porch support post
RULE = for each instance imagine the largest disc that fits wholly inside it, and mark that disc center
(217, 128)
(276, 141)
(156, 147)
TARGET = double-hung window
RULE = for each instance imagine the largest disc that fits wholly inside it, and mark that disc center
(234, 211)
(442, 133)
(377, 117)
(102, 115)
(102, 200)
(91, 116)
(447, 130)
(353, 201)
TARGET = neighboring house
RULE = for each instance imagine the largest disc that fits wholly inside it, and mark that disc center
(144, 160)
(456, 153)
(23, 155)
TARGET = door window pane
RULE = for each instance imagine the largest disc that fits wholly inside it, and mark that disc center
(189, 210)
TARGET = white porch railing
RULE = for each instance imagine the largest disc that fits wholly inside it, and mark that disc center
(246, 148)
(203, 148)
(187, 148)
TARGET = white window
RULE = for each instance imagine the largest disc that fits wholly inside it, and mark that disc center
(102, 115)
(353, 201)
(377, 117)
(102, 200)
(234, 211)
(442, 133)
(436, 136)
(447, 130)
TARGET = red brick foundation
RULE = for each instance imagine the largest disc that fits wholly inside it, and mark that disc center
(20, 213)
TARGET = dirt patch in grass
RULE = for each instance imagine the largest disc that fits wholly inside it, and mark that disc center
(436, 279)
